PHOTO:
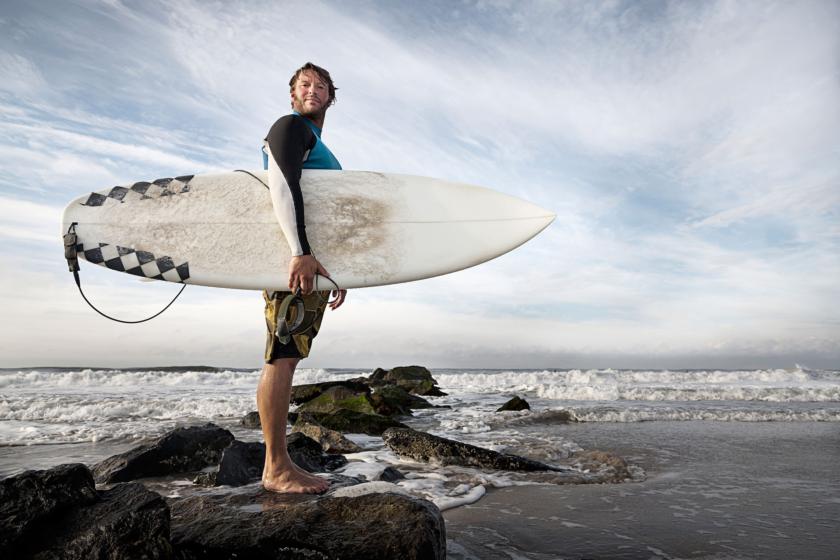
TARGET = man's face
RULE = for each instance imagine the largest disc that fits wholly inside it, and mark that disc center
(311, 95)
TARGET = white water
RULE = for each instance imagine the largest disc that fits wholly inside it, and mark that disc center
(66, 405)
(116, 407)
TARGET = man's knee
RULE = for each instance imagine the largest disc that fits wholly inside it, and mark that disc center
(283, 364)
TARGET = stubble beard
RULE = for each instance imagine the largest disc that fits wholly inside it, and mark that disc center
(315, 115)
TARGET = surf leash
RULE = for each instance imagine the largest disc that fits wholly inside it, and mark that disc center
(71, 254)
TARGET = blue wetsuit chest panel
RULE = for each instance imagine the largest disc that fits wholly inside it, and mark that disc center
(319, 157)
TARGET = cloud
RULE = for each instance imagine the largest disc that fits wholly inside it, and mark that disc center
(21, 76)
(689, 150)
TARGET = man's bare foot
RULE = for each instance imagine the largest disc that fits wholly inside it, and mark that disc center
(305, 472)
(294, 482)
(314, 479)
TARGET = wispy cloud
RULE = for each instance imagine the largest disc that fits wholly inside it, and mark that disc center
(688, 149)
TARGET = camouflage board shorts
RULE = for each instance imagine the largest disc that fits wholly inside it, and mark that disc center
(299, 346)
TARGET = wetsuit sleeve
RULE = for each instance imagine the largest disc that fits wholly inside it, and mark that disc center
(288, 143)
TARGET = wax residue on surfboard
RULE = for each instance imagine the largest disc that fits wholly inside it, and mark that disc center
(366, 228)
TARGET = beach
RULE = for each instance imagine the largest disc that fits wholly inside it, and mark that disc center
(717, 490)
(724, 464)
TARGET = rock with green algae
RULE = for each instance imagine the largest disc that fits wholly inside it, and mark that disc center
(307, 392)
(339, 398)
(349, 421)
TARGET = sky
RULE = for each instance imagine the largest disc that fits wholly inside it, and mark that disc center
(691, 152)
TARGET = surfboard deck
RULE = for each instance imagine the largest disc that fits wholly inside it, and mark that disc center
(366, 228)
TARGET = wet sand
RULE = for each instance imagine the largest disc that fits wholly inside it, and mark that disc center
(716, 490)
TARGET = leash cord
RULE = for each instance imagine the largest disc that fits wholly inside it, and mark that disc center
(71, 255)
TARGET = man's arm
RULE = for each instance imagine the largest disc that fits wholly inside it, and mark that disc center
(288, 142)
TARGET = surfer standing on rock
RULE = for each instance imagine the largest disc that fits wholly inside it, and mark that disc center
(293, 143)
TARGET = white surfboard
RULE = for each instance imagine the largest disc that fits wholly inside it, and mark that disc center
(367, 229)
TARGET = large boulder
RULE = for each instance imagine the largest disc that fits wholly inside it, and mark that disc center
(307, 392)
(29, 498)
(339, 398)
(331, 441)
(58, 514)
(264, 525)
(426, 447)
(392, 400)
(181, 450)
(350, 422)
(414, 379)
(516, 404)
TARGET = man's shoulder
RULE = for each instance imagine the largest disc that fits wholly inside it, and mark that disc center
(290, 124)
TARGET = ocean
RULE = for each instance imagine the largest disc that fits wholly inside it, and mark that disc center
(673, 426)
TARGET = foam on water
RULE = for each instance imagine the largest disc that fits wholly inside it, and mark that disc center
(51, 406)
(771, 385)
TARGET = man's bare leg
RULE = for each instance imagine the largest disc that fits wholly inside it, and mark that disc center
(280, 473)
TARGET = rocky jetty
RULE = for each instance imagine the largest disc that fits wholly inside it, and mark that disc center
(364, 514)
(421, 446)
(367, 405)
(516, 404)
(58, 513)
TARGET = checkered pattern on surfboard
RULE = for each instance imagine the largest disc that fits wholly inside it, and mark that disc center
(139, 263)
(142, 190)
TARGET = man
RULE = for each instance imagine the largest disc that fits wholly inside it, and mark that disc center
(292, 144)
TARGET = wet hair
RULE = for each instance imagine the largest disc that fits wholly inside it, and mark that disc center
(323, 74)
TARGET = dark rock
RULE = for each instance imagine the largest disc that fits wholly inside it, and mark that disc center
(307, 392)
(414, 379)
(307, 454)
(269, 526)
(515, 404)
(378, 375)
(125, 521)
(347, 421)
(390, 474)
(205, 479)
(181, 450)
(242, 463)
(388, 398)
(252, 420)
(331, 441)
(385, 407)
(30, 497)
(426, 447)
(339, 398)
